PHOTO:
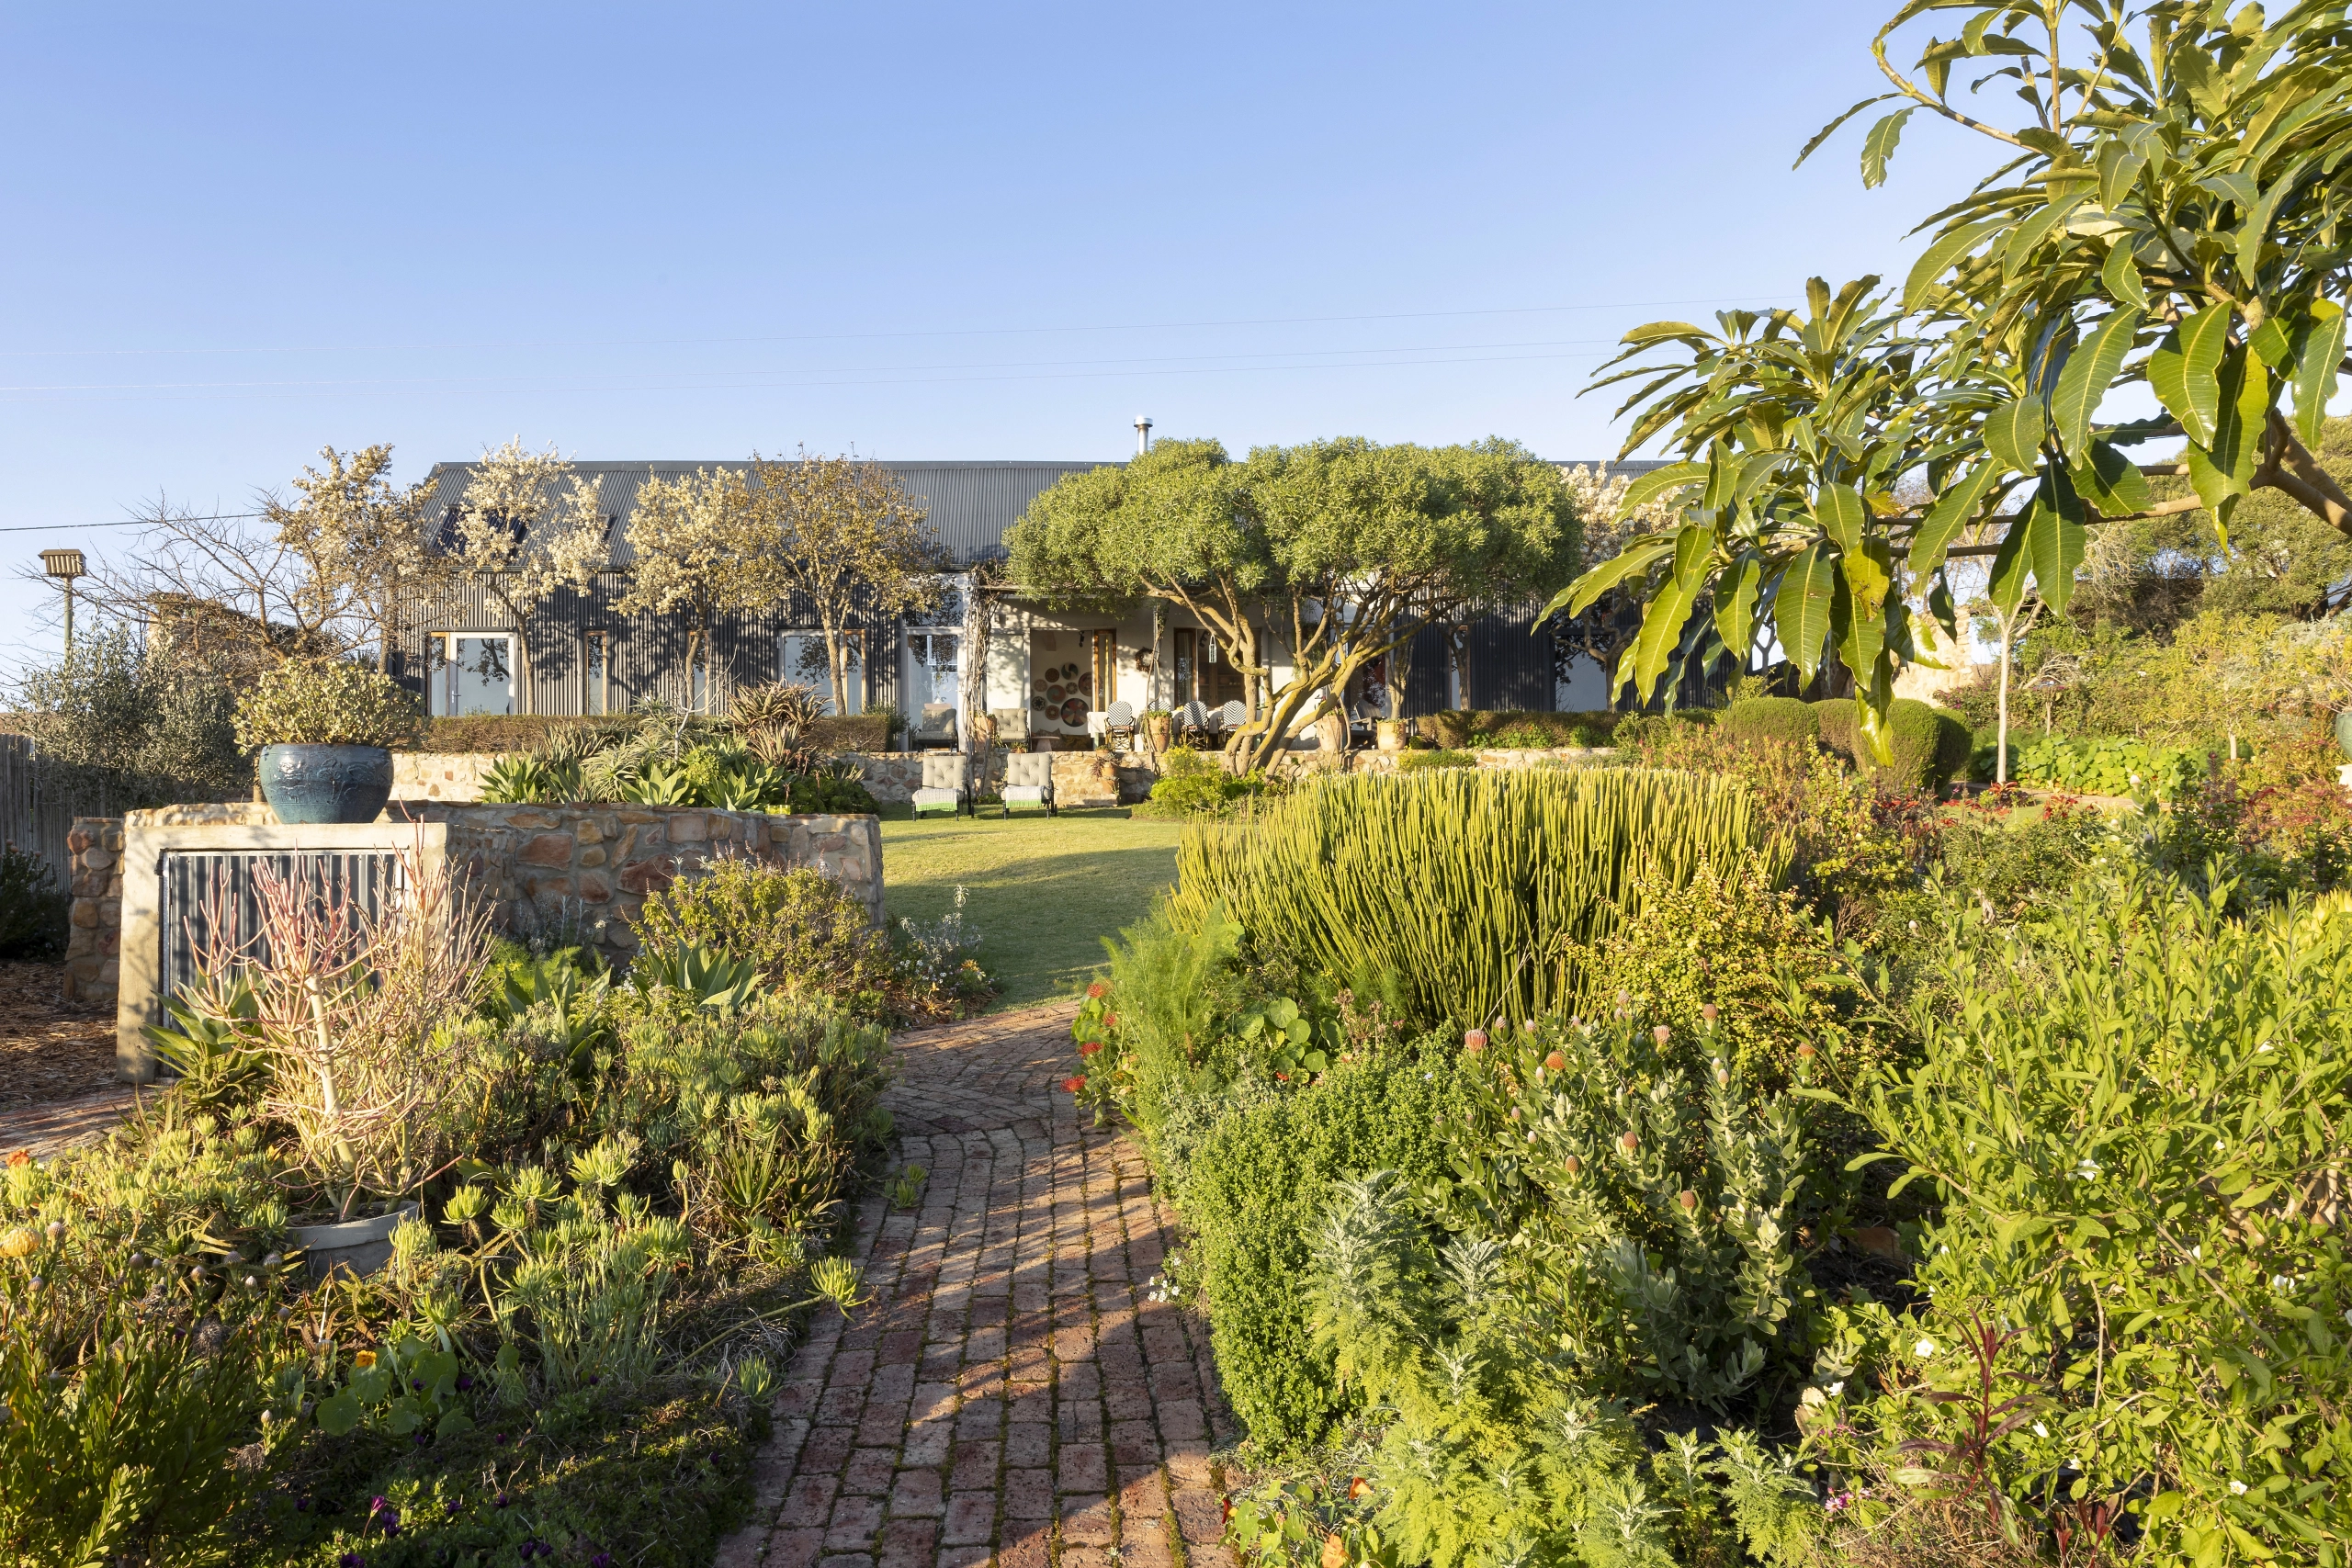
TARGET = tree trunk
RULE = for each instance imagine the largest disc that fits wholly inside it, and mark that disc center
(2001, 726)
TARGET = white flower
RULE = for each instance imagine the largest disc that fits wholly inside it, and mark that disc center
(2197, 1252)
(1923, 1348)
(2040, 1430)
(2237, 1488)
(1837, 1388)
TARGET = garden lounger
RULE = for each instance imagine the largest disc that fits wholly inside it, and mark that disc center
(943, 784)
(1029, 780)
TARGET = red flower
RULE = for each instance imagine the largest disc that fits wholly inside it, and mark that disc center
(1073, 1084)
(1110, 1020)
(1097, 991)
(1089, 1048)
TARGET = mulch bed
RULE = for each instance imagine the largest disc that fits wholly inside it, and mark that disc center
(51, 1050)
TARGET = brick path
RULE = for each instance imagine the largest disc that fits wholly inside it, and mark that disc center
(45, 1130)
(1007, 1394)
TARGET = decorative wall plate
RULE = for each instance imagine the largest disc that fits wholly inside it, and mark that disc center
(1074, 712)
(1054, 693)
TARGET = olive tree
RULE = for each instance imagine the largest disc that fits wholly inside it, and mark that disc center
(1332, 553)
(2165, 216)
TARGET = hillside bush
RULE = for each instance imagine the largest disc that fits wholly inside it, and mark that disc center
(1470, 728)
(122, 723)
(804, 932)
(1470, 889)
(1194, 784)
(2109, 765)
(33, 908)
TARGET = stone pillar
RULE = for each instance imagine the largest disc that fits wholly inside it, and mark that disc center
(93, 942)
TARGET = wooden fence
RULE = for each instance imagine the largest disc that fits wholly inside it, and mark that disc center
(26, 820)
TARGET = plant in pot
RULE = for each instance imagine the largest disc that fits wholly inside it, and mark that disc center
(365, 1021)
(1159, 723)
(325, 728)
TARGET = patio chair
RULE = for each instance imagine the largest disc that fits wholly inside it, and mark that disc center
(935, 728)
(1029, 780)
(1192, 723)
(1119, 723)
(944, 777)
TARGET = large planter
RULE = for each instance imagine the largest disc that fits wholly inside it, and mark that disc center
(326, 783)
(2344, 732)
(1388, 734)
(355, 1247)
(1161, 729)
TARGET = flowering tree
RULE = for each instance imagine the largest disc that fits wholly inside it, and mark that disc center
(840, 535)
(691, 545)
(527, 525)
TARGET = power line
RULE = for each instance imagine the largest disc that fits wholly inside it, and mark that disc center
(126, 523)
(849, 338)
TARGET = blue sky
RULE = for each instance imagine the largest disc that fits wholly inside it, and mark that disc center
(239, 233)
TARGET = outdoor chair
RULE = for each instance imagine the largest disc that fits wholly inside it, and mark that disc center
(943, 775)
(935, 728)
(1193, 724)
(1119, 723)
(1029, 780)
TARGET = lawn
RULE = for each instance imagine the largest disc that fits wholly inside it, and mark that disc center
(1042, 891)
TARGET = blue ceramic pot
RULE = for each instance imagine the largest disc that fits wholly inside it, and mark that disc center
(326, 783)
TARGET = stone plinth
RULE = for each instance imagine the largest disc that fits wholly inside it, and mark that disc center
(454, 778)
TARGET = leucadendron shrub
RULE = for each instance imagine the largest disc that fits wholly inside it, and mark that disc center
(804, 932)
(325, 702)
(2133, 1116)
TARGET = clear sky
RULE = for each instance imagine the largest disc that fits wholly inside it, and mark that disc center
(237, 233)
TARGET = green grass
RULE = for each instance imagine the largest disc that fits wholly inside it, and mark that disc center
(1042, 891)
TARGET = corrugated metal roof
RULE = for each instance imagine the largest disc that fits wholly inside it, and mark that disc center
(972, 504)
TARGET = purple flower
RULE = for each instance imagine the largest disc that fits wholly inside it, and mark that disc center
(601, 1560)
(416, 1383)
(378, 1505)
(501, 1439)
(352, 1559)
(465, 1382)
(301, 1505)
(423, 1438)
(453, 1508)
(594, 1378)
(499, 1501)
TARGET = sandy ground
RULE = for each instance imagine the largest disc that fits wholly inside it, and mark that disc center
(49, 1051)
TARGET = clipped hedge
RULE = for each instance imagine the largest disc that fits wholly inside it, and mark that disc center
(1457, 728)
(502, 732)
(1259, 1186)
(1931, 744)
(1772, 719)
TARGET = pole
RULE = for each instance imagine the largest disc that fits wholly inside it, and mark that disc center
(68, 618)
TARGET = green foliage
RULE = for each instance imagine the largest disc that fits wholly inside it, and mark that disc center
(1423, 762)
(1784, 719)
(324, 702)
(212, 1041)
(1733, 950)
(1256, 1184)
(1467, 887)
(120, 723)
(1468, 728)
(2110, 766)
(1930, 746)
(1192, 785)
(801, 931)
(2130, 1125)
(33, 908)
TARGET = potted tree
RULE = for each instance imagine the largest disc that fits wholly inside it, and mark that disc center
(326, 729)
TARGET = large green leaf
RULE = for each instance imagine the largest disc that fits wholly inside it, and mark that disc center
(2007, 583)
(1637, 557)
(2110, 481)
(2090, 370)
(1657, 482)
(1662, 621)
(1736, 601)
(1802, 611)
(2185, 371)
(2121, 275)
(2223, 470)
(1879, 146)
(1840, 511)
(1951, 512)
(2319, 352)
(2014, 433)
(1937, 258)
(2054, 537)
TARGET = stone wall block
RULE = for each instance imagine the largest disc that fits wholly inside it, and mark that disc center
(548, 848)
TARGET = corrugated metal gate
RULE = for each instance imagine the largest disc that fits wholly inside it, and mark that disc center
(204, 886)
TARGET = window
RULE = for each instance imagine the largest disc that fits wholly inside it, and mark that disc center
(1184, 665)
(597, 670)
(801, 657)
(933, 669)
(472, 672)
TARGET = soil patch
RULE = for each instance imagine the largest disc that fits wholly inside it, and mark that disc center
(51, 1049)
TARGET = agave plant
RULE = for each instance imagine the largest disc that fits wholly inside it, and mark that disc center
(717, 980)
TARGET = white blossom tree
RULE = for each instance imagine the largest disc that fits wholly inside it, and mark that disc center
(692, 552)
(528, 525)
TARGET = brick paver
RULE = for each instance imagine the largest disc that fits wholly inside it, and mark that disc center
(1007, 1394)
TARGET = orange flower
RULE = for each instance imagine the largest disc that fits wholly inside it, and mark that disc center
(1089, 1048)
(1473, 1040)
(1097, 991)
(364, 1358)
(1073, 1084)
(1557, 1061)
(1110, 1020)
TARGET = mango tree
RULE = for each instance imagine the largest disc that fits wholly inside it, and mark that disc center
(2168, 216)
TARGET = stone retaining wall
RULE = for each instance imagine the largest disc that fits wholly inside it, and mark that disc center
(449, 777)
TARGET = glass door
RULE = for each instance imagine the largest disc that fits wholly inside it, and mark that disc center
(802, 657)
(473, 672)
